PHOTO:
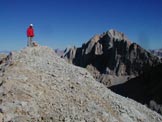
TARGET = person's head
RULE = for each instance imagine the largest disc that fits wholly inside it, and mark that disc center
(31, 25)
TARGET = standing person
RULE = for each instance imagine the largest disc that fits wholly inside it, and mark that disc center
(30, 35)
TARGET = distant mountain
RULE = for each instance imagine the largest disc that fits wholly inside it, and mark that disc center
(59, 52)
(157, 52)
(4, 52)
(112, 58)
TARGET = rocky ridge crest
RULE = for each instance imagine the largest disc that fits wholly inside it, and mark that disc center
(37, 85)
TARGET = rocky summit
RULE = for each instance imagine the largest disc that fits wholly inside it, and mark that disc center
(38, 86)
(112, 58)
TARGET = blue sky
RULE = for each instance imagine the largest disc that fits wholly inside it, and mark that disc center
(64, 23)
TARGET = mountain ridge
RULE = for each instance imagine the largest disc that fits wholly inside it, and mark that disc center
(111, 58)
(37, 85)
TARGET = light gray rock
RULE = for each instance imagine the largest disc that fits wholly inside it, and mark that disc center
(40, 86)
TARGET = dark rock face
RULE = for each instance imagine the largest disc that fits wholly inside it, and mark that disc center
(112, 58)
(145, 88)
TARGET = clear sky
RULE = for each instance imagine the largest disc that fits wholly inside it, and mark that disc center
(64, 23)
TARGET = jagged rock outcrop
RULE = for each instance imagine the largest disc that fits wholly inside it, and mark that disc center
(112, 58)
(145, 88)
(37, 85)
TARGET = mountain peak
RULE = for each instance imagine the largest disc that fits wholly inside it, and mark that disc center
(111, 54)
(118, 36)
(116, 33)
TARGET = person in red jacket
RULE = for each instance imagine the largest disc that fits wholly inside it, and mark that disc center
(30, 35)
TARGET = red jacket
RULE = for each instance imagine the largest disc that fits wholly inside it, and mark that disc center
(30, 32)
